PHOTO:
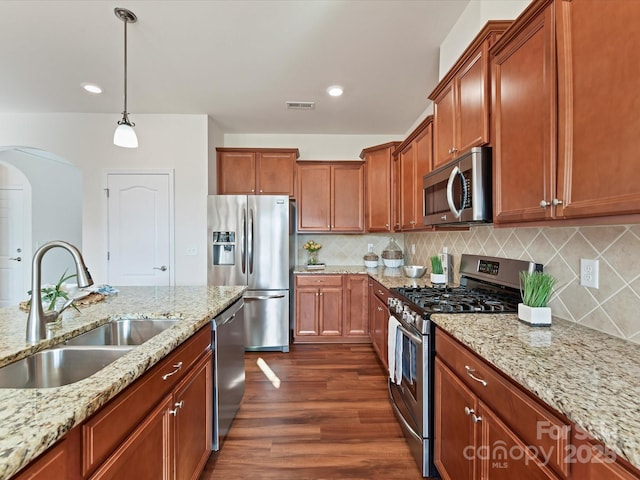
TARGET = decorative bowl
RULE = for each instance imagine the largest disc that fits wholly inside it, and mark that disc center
(371, 263)
(392, 262)
(414, 271)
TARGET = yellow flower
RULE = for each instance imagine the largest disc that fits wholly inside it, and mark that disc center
(312, 246)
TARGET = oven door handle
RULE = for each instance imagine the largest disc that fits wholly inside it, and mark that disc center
(454, 173)
(412, 336)
(404, 422)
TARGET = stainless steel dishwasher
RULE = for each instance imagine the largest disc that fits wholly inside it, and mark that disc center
(228, 369)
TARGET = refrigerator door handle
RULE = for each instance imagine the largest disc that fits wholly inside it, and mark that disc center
(250, 241)
(243, 241)
(263, 297)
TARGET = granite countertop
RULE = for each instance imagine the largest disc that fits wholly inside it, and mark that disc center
(590, 377)
(31, 420)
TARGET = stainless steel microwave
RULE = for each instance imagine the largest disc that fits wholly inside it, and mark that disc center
(460, 192)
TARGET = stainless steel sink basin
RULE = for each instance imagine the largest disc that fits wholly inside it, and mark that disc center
(123, 332)
(58, 366)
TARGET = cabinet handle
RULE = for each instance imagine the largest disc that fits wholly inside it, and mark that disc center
(380, 292)
(476, 418)
(469, 411)
(177, 367)
(470, 372)
(253, 190)
(321, 293)
(443, 217)
(386, 225)
(556, 202)
(379, 309)
(260, 191)
(178, 406)
(544, 204)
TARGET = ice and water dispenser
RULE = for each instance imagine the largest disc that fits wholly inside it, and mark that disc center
(224, 248)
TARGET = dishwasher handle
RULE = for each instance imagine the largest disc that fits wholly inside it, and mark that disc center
(228, 315)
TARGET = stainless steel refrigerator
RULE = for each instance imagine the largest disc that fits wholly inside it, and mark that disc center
(249, 244)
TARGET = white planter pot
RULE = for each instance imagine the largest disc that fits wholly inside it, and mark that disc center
(536, 316)
(438, 278)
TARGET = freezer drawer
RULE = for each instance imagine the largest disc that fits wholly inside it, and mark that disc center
(266, 320)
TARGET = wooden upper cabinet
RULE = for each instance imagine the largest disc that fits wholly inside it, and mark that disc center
(263, 171)
(414, 157)
(523, 72)
(330, 197)
(378, 187)
(461, 100)
(566, 136)
(598, 121)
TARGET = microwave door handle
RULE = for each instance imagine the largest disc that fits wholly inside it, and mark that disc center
(454, 173)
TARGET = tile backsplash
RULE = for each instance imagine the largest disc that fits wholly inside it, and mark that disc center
(614, 308)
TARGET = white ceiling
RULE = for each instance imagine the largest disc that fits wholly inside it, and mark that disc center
(237, 61)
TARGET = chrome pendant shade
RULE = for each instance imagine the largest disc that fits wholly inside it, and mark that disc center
(125, 135)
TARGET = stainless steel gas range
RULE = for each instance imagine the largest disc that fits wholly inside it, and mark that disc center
(487, 285)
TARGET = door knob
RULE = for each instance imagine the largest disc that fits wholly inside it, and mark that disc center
(162, 268)
(17, 259)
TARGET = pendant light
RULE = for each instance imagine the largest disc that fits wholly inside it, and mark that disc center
(125, 135)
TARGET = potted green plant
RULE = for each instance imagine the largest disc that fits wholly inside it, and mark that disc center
(437, 271)
(50, 295)
(536, 289)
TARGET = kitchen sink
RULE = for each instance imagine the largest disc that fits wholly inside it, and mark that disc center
(58, 366)
(123, 332)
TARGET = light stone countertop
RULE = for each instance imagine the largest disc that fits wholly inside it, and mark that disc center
(31, 420)
(590, 377)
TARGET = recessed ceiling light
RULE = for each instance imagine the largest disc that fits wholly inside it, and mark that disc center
(335, 90)
(91, 87)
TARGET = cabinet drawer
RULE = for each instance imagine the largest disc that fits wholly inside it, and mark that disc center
(318, 280)
(381, 292)
(530, 419)
(108, 428)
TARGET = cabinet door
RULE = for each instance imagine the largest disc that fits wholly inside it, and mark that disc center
(379, 327)
(378, 190)
(347, 198)
(423, 144)
(396, 192)
(275, 173)
(331, 311)
(598, 108)
(192, 411)
(523, 76)
(236, 173)
(62, 461)
(357, 306)
(444, 122)
(147, 453)
(505, 457)
(407, 185)
(473, 102)
(455, 433)
(306, 311)
(314, 198)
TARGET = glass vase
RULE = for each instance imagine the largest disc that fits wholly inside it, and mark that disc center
(312, 258)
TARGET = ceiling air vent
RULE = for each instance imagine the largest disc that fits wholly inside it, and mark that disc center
(301, 105)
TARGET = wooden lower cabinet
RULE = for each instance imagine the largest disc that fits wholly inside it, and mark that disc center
(62, 461)
(379, 319)
(331, 308)
(193, 420)
(146, 454)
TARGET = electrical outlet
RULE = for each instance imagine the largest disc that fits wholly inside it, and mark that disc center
(369, 247)
(589, 273)
(192, 251)
(413, 249)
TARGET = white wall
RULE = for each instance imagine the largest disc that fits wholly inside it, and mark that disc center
(177, 142)
(55, 189)
(215, 138)
(473, 18)
(312, 147)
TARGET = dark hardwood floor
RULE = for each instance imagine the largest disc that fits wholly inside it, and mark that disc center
(326, 416)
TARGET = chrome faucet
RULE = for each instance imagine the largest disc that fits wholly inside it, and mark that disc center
(38, 318)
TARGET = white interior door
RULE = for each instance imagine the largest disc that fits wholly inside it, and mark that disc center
(12, 258)
(139, 229)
